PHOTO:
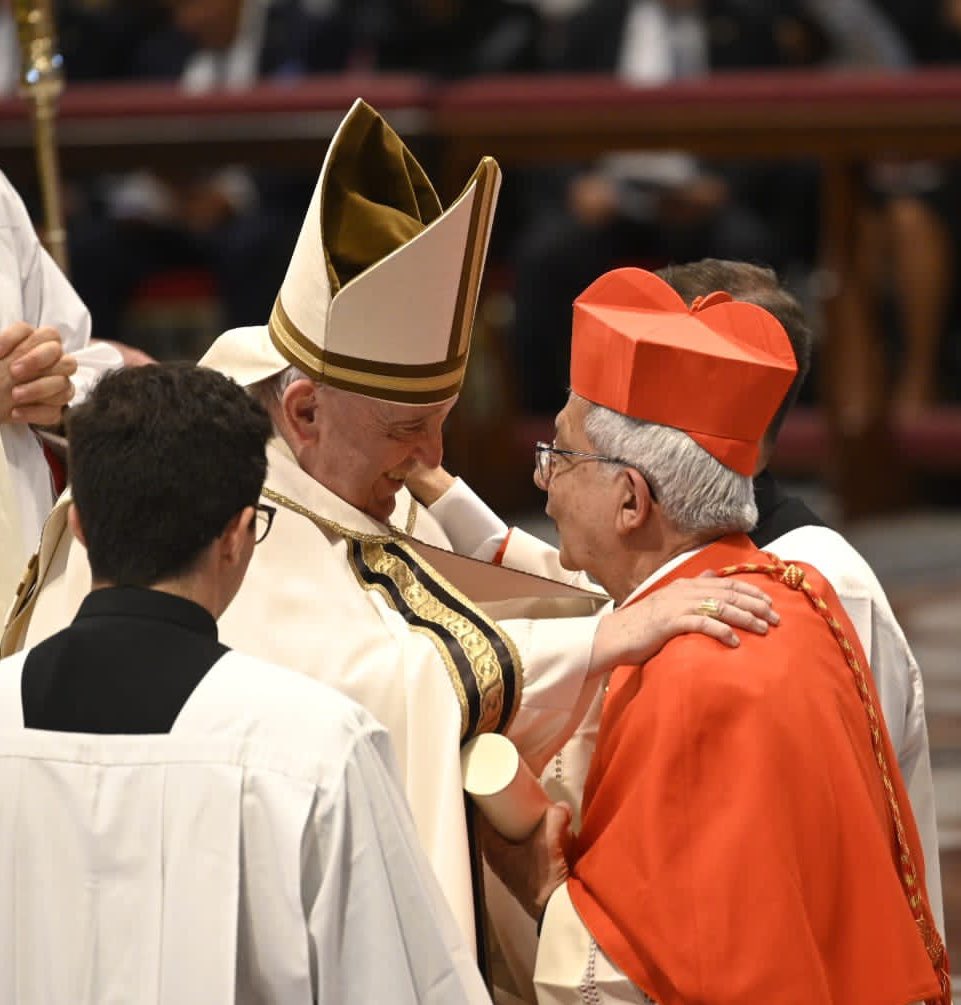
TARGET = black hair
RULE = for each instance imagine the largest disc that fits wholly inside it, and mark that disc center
(161, 457)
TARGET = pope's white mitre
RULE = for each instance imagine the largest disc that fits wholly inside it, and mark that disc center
(381, 290)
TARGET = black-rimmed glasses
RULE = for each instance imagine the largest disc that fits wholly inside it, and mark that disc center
(264, 519)
(544, 454)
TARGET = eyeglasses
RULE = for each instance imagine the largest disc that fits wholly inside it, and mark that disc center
(544, 454)
(265, 520)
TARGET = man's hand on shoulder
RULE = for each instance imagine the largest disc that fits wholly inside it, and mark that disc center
(34, 375)
(633, 634)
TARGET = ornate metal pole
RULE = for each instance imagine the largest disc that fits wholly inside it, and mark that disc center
(41, 80)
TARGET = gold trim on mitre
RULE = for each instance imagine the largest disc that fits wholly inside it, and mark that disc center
(382, 288)
(416, 384)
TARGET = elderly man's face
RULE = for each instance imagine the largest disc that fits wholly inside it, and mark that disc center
(579, 496)
(367, 448)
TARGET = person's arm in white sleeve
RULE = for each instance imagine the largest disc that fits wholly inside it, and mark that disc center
(566, 659)
(475, 530)
(48, 299)
(93, 362)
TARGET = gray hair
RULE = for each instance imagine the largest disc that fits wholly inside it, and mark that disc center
(697, 493)
(270, 391)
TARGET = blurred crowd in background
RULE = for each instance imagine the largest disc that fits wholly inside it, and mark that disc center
(557, 228)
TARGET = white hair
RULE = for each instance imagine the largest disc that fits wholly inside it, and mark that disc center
(270, 391)
(697, 493)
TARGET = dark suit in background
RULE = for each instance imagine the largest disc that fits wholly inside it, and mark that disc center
(240, 225)
(590, 220)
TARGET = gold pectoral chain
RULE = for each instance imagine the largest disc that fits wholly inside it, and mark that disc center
(481, 660)
(793, 576)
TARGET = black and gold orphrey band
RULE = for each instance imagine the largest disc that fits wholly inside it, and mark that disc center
(482, 662)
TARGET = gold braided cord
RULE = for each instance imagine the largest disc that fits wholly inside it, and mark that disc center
(793, 577)
(411, 517)
(322, 523)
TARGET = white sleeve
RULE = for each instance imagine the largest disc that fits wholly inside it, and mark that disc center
(93, 362)
(557, 694)
(379, 927)
(527, 553)
(48, 297)
(60, 306)
(473, 528)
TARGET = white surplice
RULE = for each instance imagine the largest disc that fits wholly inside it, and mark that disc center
(261, 851)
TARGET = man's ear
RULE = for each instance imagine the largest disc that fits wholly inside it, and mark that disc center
(76, 528)
(236, 535)
(633, 502)
(301, 412)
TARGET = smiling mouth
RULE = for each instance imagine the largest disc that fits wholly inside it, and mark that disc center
(398, 476)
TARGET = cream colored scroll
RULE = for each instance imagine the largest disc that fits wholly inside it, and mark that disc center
(504, 788)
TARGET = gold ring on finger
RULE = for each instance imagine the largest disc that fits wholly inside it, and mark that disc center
(709, 607)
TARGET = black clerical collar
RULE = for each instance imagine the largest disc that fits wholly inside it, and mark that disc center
(777, 512)
(139, 602)
(768, 494)
(128, 663)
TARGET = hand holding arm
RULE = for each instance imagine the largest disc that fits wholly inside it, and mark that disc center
(633, 634)
(531, 869)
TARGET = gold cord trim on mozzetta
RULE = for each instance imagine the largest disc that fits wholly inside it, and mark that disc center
(482, 661)
(793, 577)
